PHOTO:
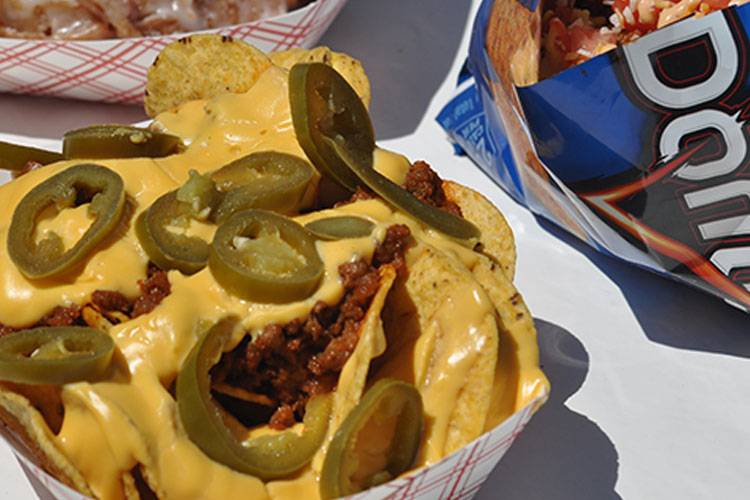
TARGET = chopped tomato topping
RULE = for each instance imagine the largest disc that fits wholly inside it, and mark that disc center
(557, 42)
(632, 21)
(584, 40)
(716, 4)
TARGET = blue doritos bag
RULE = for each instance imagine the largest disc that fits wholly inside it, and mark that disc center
(643, 152)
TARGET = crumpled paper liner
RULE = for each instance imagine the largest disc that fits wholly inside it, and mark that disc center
(457, 476)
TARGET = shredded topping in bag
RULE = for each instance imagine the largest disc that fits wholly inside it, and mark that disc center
(574, 31)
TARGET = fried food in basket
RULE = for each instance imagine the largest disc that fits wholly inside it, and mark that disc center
(268, 342)
(97, 19)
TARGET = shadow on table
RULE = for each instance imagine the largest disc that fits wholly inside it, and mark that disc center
(561, 454)
(50, 117)
(406, 48)
(661, 304)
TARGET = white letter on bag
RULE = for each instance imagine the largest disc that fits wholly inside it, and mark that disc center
(637, 59)
(731, 226)
(729, 259)
(728, 126)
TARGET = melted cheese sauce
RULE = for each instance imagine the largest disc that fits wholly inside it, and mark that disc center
(130, 418)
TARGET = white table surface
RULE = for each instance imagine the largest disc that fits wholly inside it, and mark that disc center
(649, 378)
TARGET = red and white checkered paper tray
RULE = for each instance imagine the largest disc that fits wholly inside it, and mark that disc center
(115, 70)
(456, 477)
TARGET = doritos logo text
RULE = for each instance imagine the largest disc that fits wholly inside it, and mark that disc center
(688, 203)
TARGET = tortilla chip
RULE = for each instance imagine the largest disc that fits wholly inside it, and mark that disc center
(201, 67)
(498, 242)
(288, 58)
(95, 319)
(417, 321)
(350, 68)
(494, 269)
(28, 422)
(517, 342)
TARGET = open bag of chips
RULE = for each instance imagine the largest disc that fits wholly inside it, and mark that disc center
(630, 134)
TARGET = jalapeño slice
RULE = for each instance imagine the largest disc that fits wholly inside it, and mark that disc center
(99, 186)
(15, 157)
(268, 179)
(119, 141)
(173, 250)
(324, 104)
(334, 129)
(265, 257)
(55, 355)
(166, 249)
(445, 222)
(377, 441)
(340, 227)
(267, 457)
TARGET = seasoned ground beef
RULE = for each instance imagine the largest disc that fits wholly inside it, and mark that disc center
(286, 365)
(425, 184)
(421, 181)
(108, 300)
(358, 195)
(61, 316)
(391, 249)
(153, 290)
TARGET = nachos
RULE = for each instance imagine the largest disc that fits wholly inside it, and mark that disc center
(251, 296)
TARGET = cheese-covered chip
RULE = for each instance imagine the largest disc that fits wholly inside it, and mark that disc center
(201, 66)
(350, 68)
